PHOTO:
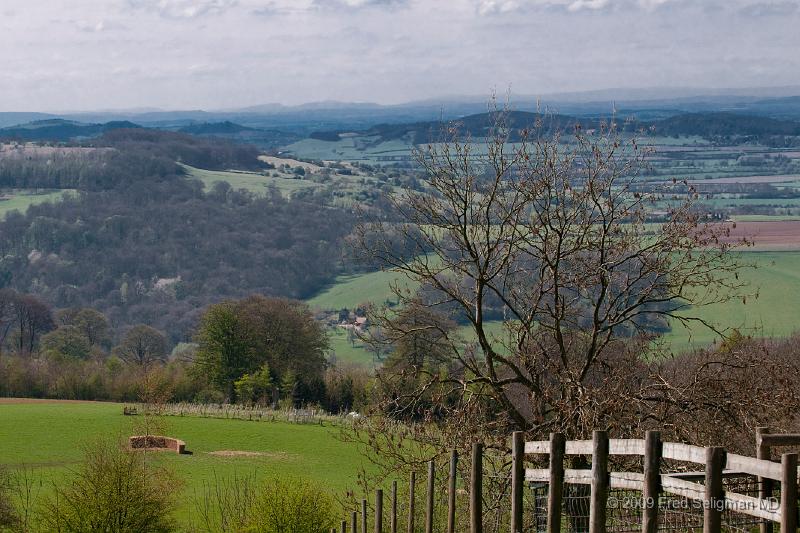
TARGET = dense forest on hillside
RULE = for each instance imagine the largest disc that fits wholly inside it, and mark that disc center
(142, 243)
(60, 130)
(713, 126)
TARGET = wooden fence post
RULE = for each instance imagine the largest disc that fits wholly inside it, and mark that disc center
(378, 511)
(354, 522)
(764, 452)
(652, 481)
(555, 490)
(344, 526)
(451, 493)
(429, 497)
(789, 492)
(599, 491)
(364, 516)
(517, 480)
(393, 520)
(476, 490)
(715, 497)
(412, 481)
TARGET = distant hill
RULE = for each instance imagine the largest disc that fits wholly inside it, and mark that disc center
(13, 118)
(715, 124)
(479, 125)
(60, 130)
(215, 128)
(232, 131)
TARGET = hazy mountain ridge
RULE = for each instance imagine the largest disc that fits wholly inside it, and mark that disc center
(779, 102)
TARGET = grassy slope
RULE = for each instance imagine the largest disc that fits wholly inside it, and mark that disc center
(777, 280)
(48, 437)
(348, 353)
(350, 291)
(21, 200)
(251, 181)
(773, 313)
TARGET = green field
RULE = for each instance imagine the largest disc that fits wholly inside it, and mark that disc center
(773, 314)
(351, 291)
(251, 181)
(21, 200)
(344, 351)
(47, 438)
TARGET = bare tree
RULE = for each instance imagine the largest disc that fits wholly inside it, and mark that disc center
(7, 315)
(554, 233)
(142, 346)
(32, 318)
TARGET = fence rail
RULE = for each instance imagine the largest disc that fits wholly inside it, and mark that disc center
(731, 493)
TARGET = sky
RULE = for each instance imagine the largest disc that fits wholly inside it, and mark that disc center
(60, 55)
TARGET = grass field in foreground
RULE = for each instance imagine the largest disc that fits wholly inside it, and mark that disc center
(21, 200)
(47, 437)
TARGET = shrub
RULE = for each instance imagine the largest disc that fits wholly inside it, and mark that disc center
(8, 516)
(113, 491)
(254, 388)
(278, 505)
(292, 506)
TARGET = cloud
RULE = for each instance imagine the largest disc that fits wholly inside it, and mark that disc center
(183, 9)
(358, 4)
(505, 6)
(218, 53)
(578, 5)
(97, 26)
(487, 7)
(770, 9)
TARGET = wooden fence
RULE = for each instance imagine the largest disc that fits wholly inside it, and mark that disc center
(774, 502)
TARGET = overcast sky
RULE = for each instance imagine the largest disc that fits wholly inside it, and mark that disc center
(214, 54)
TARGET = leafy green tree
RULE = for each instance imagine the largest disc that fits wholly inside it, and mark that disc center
(254, 388)
(288, 388)
(225, 351)
(91, 323)
(66, 341)
(239, 337)
(285, 335)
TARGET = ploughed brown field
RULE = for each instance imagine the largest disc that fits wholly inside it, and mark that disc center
(778, 235)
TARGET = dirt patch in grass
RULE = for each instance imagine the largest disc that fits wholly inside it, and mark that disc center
(244, 453)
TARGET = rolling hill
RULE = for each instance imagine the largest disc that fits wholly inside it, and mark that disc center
(60, 130)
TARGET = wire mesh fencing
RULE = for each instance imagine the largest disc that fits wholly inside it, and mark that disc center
(624, 508)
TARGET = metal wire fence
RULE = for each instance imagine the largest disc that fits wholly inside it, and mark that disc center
(624, 509)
